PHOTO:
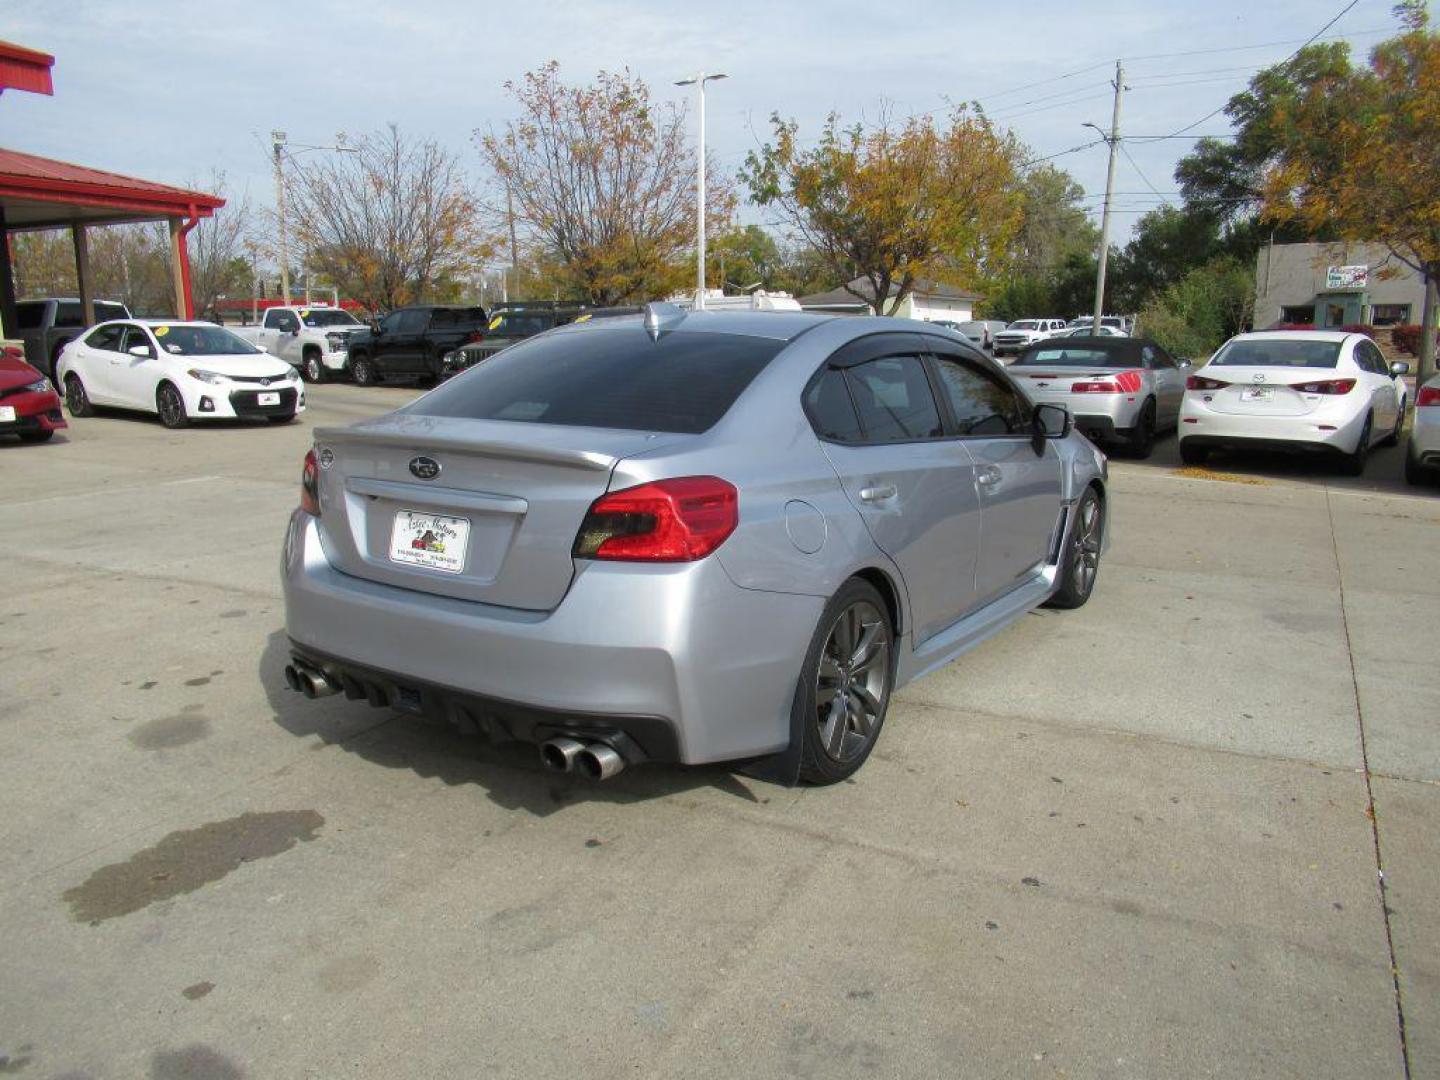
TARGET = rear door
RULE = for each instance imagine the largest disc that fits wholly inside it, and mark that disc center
(405, 348)
(1017, 478)
(912, 482)
(91, 360)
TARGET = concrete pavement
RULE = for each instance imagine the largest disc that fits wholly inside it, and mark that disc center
(1130, 840)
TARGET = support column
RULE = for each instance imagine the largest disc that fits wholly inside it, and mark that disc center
(180, 270)
(81, 240)
(8, 313)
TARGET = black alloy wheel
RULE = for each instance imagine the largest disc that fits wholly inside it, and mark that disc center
(1080, 565)
(362, 371)
(76, 400)
(171, 406)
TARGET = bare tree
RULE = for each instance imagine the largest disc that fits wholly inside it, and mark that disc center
(219, 256)
(602, 179)
(386, 223)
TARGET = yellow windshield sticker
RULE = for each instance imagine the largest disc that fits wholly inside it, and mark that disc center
(161, 331)
(495, 322)
(304, 312)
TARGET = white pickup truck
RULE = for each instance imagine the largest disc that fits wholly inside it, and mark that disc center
(313, 339)
(1022, 333)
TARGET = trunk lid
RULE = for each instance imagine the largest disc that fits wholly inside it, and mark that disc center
(1266, 391)
(505, 505)
(1055, 381)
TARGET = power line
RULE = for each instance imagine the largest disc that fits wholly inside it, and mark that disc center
(1267, 44)
(1126, 151)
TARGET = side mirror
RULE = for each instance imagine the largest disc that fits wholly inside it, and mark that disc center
(1399, 367)
(375, 327)
(295, 332)
(1183, 362)
(142, 351)
(1052, 421)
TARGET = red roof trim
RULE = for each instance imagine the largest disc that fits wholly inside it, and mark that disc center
(25, 69)
(25, 176)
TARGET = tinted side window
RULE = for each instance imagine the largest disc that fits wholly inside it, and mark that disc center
(980, 403)
(892, 395)
(1376, 358)
(684, 382)
(29, 316)
(390, 323)
(414, 321)
(107, 337)
(67, 313)
(830, 409)
(135, 336)
(285, 320)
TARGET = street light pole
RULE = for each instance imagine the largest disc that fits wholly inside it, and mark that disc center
(1114, 140)
(699, 80)
(277, 141)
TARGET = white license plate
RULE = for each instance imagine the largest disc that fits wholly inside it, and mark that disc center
(7, 414)
(430, 540)
(1257, 393)
(268, 399)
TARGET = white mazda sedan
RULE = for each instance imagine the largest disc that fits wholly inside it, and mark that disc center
(181, 371)
(1308, 390)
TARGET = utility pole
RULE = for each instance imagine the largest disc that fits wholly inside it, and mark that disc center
(514, 247)
(277, 142)
(1114, 140)
(699, 81)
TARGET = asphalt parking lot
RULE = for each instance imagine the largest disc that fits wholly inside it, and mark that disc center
(1133, 840)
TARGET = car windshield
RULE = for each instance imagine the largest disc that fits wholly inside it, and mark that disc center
(1278, 352)
(185, 339)
(1086, 356)
(328, 317)
(683, 382)
(1024, 324)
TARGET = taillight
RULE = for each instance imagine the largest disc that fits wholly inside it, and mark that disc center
(666, 521)
(1325, 386)
(1428, 395)
(1124, 382)
(1199, 382)
(310, 485)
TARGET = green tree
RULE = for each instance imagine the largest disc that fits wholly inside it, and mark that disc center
(1168, 243)
(895, 202)
(1360, 153)
(1053, 223)
(1193, 316)
(742, 257)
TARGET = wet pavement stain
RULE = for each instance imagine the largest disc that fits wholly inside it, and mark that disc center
(149, 684)
(170, 731)
(199, 990)
(235, 613)
(186, 860)
(10, 1064)
(200, 681)
(196, 1062)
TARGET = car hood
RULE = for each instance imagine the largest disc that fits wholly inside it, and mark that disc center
(15, 373)
(255, 365)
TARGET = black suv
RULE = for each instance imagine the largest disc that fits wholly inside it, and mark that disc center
(410, 342)
(516, 322)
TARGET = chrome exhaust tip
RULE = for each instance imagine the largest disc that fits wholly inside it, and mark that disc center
(599, 762)
(292, 678)
(558, 755)
(311, 682)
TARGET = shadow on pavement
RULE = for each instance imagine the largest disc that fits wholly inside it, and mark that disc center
(510, 773)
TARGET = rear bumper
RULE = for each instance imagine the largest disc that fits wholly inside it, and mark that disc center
(1201, 426)
(689, 665)
(1425, 436)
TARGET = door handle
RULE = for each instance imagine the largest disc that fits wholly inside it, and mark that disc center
(988, 475)
(878, 493)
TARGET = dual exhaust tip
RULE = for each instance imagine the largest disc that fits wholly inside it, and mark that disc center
(312, 682)
(595, 760)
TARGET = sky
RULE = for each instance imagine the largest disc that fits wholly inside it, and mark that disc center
(171, 91)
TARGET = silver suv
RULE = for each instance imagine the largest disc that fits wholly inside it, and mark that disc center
(687, 538)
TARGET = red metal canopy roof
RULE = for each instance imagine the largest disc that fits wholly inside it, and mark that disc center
(25, 69)
(38, 193)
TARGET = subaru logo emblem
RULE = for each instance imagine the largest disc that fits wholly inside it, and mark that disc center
(424, 468)
(1259, 376)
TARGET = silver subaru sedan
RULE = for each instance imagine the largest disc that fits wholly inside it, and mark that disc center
(687, 537)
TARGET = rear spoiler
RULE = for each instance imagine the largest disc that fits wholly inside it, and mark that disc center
(421, 440)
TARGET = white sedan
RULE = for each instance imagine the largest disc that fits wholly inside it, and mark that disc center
(1422, 456)
(1312, 390)
(181, 371)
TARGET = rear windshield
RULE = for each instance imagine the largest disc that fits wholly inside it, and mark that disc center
(1277, 352)
(457, 317)
(609, 379)
(189, 340)
(1073, 356)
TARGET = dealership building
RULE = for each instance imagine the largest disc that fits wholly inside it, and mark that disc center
(1330, 285)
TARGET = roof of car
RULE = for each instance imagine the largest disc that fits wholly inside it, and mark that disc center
(778, 325)
(1291, 335)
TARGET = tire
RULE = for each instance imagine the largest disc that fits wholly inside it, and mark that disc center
(171, 406)
(853, 654)
(362, 371)
(1080, 565)
(76, 399)
(1393, 439)
(55, 362)
(1415, 473)
(312, 367)
(1142, 440)
(37, 436)
(282, 419)
(1353, 464)
(1191, 454)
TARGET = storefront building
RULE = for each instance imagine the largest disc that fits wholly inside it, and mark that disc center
(1333, 285)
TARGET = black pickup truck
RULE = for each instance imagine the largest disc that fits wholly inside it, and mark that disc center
(518, 321)
(410, 342)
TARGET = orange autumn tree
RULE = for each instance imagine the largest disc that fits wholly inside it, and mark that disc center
(895, 203)
(1360, 155)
